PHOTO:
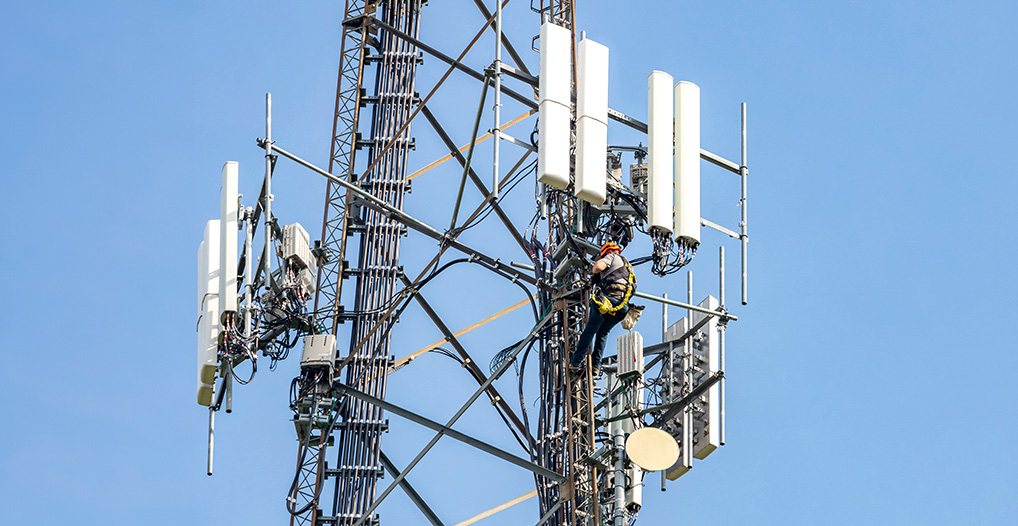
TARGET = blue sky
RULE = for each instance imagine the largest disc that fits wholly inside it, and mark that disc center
(871, 377)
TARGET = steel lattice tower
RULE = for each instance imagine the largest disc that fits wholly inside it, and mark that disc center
(357, 435)
(379, 55)
(588, 467)
(564, 427)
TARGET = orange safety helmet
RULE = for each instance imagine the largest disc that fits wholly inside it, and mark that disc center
(608, 247)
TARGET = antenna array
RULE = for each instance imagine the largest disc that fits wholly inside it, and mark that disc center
(589, 445)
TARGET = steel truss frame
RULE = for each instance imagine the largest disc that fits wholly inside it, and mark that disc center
(369, 204)
(353, 496)
(584, 478)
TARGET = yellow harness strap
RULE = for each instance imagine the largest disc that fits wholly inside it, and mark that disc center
(604, 305)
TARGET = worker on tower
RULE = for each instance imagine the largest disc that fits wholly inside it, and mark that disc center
(614, 283)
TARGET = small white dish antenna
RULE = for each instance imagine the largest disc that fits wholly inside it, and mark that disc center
(652, 449)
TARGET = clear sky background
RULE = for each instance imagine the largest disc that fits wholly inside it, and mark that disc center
(871, 377)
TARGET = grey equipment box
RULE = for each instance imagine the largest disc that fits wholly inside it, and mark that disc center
(319, 349)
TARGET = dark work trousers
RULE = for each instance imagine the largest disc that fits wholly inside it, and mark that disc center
(597, 329)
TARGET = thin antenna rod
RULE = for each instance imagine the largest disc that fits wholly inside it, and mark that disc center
(212, 427)
(743, 172)
(721, 346)
(248, 268)
(268, 190)
(670, 366)
(687, 378)
(498, 96)
(228, 383)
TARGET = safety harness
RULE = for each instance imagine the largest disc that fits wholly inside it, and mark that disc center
(614, 282)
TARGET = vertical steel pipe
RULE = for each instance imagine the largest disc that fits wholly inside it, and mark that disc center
(248, 273)
(267, 253)
(721, 346)
(228, 382)
(671, 355)
(687, 380)
(721, 276)
(664, 337)
(544, 201)
(212, 426)
(620, 476)
(744, 236)
(498, 95)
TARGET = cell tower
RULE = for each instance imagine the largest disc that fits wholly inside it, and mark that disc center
(599, 428)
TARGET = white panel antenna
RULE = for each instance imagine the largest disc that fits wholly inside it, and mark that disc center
(687, 163)
(660, 145)
(591, 121)
(699, 430)
(706, 415)
(229, 208)
(554, 113)
(674, 426)
(630, 352)
(208, 312)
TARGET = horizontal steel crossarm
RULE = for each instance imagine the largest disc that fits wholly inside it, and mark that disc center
(396, 214)
(717, 160)
(520, 75)
(722, 315)
(674, 407)
(410, 491)
(719, 228)
(472, 367)
(463, 409)
(517, 142)
(449, 432)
